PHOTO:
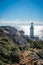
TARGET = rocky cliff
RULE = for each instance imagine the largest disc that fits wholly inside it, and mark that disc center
(18, 49)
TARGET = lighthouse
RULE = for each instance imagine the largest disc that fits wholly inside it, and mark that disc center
(32, 31)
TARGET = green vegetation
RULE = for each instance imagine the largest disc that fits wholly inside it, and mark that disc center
(12, 44)
(38, 45)
(8, 51)
(1, 62)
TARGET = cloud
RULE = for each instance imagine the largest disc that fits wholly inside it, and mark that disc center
(10, 23)
(26, 29)
(25, 26)
(37, 29)
(19, 22)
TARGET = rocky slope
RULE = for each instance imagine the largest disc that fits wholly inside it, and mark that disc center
(18, 49)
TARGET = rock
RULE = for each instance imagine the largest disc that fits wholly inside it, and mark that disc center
(40, 54)
(11, 38)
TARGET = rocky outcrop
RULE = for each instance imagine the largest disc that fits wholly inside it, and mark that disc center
(18, 49)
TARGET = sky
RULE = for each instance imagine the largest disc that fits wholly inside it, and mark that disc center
(20, 13)
(21, 9)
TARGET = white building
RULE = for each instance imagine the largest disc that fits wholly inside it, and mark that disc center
(32, 32)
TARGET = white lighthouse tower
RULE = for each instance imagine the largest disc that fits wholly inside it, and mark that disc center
(32, 31)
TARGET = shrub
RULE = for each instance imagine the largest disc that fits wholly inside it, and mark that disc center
(1, 62)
